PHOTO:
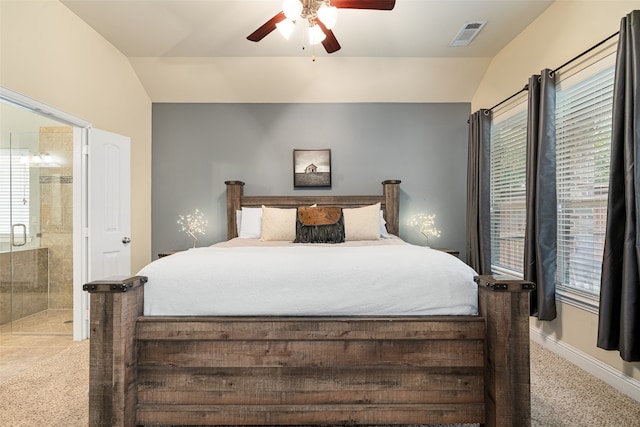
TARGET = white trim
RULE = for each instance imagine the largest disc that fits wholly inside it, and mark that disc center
(42, 109)
(616, 379)
(506, 272)
(577, 299)
(80, 251)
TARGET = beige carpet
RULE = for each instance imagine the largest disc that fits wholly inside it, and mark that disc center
(54, 394)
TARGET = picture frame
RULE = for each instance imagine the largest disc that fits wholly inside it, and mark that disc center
(312, 168)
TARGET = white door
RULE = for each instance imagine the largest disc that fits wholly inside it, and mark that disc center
(109, 219)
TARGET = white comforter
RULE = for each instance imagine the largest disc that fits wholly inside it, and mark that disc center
(310, 280)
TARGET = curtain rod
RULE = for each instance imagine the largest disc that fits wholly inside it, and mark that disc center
(587, 51)
(526, 87)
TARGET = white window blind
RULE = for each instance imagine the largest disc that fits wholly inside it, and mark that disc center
(14, 189)
(508, 186)
(583, 144)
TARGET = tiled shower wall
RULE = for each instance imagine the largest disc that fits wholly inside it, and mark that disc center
(56, 213)
(43, 278)
(29, 292)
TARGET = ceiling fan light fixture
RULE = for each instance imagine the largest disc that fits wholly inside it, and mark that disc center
(328, 15)
(321, 15)
(316, 35)
(292, 9)
(286, 27)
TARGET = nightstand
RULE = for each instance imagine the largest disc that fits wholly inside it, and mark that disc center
(449, 251)
(167, 253)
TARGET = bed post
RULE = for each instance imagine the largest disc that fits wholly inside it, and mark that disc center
(116, 303)
(234, 192)
(504, 304)
(391, 192)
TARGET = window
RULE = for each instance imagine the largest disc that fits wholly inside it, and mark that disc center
(508, 186)
(583, 144)
(14, 189)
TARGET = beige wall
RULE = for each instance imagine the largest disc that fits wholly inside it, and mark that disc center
(49, 54)
(565, 30)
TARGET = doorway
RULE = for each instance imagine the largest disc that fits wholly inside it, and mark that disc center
(55, 166)
(36, 223)
(42, 219)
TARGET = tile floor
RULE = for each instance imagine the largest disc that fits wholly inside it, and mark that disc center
(59, 322)
(33, 339)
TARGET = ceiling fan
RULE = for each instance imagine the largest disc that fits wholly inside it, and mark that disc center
(319, 14)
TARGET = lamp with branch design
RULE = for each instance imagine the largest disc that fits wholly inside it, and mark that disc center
(425, 224)
(193, 224)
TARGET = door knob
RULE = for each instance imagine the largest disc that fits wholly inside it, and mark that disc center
(126, 240)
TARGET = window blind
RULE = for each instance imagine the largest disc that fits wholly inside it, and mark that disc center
(583, 144)
(14, 189)
(508, 186)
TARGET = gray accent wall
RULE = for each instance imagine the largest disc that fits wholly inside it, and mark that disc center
(196, 147)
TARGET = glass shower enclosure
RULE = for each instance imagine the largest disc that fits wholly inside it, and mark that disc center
(36, 223)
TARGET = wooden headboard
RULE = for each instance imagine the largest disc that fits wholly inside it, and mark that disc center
(389, 203)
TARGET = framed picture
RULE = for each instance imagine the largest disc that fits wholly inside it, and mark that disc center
(312, 168)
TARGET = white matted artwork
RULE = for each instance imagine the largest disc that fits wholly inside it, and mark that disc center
(312, 168)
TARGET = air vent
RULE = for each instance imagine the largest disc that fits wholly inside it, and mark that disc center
(467, 33)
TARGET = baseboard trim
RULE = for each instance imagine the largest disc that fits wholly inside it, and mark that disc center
(616, 379)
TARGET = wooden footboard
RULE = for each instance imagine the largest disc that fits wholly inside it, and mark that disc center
(255, 371)
(293, 370)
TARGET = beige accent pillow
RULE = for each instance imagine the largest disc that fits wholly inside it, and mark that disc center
(278, 224)
(362, 223)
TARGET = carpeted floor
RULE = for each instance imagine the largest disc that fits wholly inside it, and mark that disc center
(54, 394)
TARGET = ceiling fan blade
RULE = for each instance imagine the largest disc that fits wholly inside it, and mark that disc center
(266, 28)
(330, 42)
(364, 4)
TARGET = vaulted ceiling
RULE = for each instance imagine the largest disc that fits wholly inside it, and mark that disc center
(186, 50)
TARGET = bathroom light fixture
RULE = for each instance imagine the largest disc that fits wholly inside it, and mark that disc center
(42, 160)
(308, 10)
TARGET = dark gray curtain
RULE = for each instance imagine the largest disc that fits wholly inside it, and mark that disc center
(478, 202)
(540, 246)
(619, 320)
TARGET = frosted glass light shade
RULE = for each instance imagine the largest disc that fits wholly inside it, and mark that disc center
(292, 9)
(285, 28)
(328, 15)
(316, 35)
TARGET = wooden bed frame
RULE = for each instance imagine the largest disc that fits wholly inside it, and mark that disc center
(171, 370)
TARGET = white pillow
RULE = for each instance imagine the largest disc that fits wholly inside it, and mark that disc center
(250, 223)
(383, 228)
(278, 224)
(362, 223)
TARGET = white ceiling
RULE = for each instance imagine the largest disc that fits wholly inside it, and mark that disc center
(153, 33)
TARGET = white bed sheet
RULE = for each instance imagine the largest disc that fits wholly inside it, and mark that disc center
(251, 278)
